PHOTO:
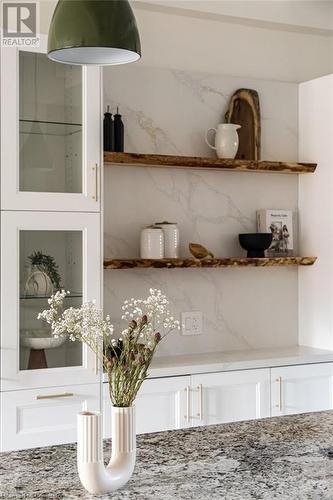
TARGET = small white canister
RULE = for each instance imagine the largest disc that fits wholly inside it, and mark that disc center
(171, 239)
(152, 243)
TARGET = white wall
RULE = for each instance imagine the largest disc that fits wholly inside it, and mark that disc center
(315, 144)
(196, 44)
(293, 15)
(217, 37)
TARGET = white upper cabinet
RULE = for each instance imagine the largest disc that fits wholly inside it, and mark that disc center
(300, 389)
(40, 253)
(50, 133)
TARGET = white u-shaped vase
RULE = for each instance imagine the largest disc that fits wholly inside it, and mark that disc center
(94, 476)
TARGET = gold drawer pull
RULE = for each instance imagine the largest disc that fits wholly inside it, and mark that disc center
(279, 381)
(187, 416)
(95, 181)
(200, 412)
(54, 396)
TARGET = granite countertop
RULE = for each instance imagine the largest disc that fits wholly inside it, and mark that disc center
(284, 457)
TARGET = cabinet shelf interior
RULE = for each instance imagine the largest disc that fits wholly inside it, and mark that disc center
(74, 295)
(41, 127)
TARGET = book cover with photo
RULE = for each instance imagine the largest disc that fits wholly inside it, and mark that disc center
(280, 224)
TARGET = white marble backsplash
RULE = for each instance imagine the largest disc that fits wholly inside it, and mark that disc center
(242, 308)
(167, 111)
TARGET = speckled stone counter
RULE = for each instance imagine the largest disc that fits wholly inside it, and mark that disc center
(284, 457)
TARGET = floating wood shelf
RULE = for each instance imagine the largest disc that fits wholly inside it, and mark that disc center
(195, 162)
(207, 263)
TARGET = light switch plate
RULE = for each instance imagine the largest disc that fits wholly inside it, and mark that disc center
(192, 323)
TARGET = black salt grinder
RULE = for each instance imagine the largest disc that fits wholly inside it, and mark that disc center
(118, 133)
(108, 131)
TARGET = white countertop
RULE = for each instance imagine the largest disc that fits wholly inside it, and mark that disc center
(189, 364)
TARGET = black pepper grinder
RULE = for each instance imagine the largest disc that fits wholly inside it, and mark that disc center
(118, 133)
(108, 131)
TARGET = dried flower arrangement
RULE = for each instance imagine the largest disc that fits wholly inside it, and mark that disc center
(127, 358)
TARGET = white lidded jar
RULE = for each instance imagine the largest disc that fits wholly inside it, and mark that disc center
(152, 243)
(171, 239)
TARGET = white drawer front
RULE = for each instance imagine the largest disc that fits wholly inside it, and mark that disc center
(43, 417)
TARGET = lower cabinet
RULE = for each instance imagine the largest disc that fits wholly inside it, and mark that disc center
(213, 398)
(43, 417)
(301, 389)
(162, 404)
(230, 396)
(179, 402)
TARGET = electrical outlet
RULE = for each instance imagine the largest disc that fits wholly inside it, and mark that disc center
(192, 323)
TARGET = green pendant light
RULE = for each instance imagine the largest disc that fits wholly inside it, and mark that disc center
(102, 32)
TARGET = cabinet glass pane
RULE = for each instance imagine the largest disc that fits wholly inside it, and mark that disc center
(49, 260)
(50, 125)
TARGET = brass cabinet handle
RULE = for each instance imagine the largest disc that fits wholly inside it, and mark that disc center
(279, 381)
(187, 416)
(200, 412)
(95, 180)
(55, 396)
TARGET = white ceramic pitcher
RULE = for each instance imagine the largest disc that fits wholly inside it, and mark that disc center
(226, 140)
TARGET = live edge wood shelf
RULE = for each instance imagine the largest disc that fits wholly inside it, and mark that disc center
(207, 263)
(195, 162)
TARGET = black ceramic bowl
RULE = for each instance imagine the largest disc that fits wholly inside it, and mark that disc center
(255, 243)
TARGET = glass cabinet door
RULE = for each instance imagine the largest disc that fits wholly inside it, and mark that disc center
(49, 261)
(50, 125)
(38, 258)
(51, 133)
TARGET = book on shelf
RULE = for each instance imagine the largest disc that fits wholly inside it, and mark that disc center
(280, 224)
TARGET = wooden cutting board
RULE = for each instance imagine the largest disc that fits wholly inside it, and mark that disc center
(244, 110)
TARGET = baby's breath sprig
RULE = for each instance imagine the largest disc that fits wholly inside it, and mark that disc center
(126, 359)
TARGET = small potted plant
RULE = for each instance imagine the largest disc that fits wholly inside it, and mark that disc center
(44, 277)
(126, 360)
